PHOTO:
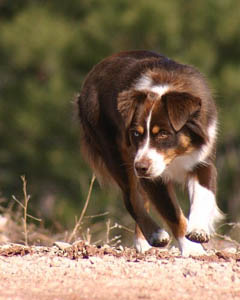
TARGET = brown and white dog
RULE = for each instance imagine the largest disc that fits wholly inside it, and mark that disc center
(150, 122)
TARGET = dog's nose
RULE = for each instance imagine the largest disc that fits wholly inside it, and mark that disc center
(142, 167)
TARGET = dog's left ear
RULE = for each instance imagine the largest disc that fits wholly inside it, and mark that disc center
(127, 103)
(181, 107)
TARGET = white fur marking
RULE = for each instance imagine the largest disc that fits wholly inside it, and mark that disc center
(204, 212)
(142, 152)
(207, 148)
(160, 89)
(157, 160)
(141, 245)
(190, 248)
(145, 83)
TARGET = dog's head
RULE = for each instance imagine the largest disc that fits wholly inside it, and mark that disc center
(160, 128)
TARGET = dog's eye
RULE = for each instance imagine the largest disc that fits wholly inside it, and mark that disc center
(136, 134)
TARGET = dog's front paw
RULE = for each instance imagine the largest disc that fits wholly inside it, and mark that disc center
(159, 238)
(189, 248)
(198, 236)
(141, 245)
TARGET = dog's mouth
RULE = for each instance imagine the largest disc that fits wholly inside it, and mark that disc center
(144, 176)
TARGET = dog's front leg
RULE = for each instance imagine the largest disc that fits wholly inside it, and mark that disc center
(204, 212)
(158, 237)
(164, 199)
(147, 232)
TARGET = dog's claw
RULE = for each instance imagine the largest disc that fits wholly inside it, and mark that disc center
(198, 236)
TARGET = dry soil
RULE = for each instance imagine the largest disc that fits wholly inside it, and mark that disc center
(82, 271)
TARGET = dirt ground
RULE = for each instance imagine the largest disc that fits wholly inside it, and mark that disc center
(82, 271)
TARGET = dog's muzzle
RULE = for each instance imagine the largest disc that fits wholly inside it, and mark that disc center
(142, 168)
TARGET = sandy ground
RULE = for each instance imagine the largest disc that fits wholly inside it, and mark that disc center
(86, 272)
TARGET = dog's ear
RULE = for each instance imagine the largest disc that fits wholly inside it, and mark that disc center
(181, 108)
(127, 103)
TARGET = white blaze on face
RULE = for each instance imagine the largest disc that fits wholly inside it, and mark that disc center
(146, 152)
(156, 159)
(160, 89)
(142, 152)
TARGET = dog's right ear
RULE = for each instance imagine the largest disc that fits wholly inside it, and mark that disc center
(181, 107)
(127, 103)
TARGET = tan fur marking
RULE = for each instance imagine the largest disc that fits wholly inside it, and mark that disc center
(140, 129)
(185, 147)
(184, 141)
(178, 229)
(155, 129)
(169, 155)
(138, 231)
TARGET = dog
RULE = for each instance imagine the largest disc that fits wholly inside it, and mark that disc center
(149, 122)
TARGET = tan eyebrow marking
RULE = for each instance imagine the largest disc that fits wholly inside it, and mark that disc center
(185, 141)
(155, 129)
(140, 129)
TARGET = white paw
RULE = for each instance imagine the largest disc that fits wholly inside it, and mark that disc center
(204, 212)
(159, 238)
(141, 245)
(195, 224)
(189, 248)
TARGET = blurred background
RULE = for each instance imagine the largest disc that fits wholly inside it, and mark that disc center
(46, 50)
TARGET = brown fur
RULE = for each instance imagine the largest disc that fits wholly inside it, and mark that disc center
(111, 110)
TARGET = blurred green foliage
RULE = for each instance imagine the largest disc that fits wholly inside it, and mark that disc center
(46, 49)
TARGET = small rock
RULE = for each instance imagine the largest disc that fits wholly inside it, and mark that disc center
(188, 272)
(231, 250)
(62, 245)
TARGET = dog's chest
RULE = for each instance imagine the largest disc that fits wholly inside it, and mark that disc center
(180, 167)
